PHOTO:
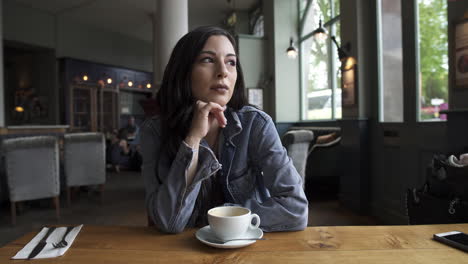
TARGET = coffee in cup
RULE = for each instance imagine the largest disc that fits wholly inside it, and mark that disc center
(230, 222)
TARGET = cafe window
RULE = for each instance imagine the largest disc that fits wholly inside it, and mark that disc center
(433, 59)
(321, 77)
(391, 61)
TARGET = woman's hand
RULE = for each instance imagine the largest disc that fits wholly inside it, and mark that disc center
(204, 116)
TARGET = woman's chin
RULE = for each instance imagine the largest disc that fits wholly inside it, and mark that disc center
(221, 101)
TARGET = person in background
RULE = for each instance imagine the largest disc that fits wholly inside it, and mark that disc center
(208, 147)
(120, 154)
(132, 130)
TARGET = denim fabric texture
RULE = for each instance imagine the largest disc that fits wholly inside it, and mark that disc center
(254, 169)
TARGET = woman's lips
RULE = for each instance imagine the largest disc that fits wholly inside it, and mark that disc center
(220, 88)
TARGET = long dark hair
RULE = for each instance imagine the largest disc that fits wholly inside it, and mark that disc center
(175, 97)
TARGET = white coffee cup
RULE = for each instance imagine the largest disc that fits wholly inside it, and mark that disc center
(229, 222)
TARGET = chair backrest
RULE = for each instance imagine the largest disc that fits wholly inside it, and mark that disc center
(84, 159)
(297, 144)
(32, 167)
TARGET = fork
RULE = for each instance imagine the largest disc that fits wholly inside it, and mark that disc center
(63, 243)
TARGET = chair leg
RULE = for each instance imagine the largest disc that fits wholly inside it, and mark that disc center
(75, 192)
(101, 193)
(57, 207)
(69, 196)
(13, 212)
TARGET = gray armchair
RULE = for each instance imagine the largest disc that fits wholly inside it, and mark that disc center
(84, 160)
(297, 144)
(32, 168)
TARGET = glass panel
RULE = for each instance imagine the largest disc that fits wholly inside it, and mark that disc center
(320, 66)
(82, 109)
(433, 59)
(130, 103)
(336, 7)
(392, 62)
(312, 18)
(317, 86)
(338, 104)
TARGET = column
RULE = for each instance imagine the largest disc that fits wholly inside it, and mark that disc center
(2, 85)
(170, 23)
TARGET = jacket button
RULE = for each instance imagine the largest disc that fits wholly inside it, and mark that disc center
(214, 166)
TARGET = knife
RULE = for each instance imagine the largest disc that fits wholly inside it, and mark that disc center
(38, 248)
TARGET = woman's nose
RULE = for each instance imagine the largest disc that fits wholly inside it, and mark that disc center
(222, 71)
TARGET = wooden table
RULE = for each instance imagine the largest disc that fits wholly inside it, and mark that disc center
(340, 244)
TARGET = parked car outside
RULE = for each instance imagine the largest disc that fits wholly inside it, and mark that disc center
(319, 104)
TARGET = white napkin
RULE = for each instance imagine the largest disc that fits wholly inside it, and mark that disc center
(49, 251)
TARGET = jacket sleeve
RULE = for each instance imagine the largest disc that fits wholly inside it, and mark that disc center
(169, 200)
(285, 207)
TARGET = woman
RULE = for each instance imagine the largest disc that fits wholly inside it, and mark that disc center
(207, 147)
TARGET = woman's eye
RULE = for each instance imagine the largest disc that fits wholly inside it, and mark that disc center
(207, 59)
(232, 62)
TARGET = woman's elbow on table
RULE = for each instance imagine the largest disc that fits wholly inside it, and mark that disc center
(301, 216)
(300, 221)
(303, 222)
(163, 223)
(170, 230)
(167, 224)
(168, 227)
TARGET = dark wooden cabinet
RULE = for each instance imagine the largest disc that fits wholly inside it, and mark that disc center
(82, 108)
(100, 97)
(93, 108)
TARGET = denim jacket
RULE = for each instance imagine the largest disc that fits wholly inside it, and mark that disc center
(257, 172)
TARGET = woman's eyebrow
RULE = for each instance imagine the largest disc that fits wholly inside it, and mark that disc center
(214, 53)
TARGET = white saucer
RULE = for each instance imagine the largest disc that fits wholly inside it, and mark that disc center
(206, 233)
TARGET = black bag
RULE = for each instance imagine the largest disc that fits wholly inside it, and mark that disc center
(443, 199)
(424, 208)
(446, 181)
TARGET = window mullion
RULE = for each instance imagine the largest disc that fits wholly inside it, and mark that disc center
(304, 16)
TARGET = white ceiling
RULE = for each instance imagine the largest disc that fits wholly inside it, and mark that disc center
(133, 17)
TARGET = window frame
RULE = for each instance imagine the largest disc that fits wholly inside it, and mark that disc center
(419, 81)
(332, 61)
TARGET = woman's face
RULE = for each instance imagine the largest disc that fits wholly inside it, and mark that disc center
(214, 72)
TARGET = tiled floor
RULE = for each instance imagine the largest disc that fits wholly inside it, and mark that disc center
(123, 204)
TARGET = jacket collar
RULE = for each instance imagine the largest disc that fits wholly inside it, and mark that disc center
(233, 127)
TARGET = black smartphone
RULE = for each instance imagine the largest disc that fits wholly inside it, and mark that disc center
(455, 239)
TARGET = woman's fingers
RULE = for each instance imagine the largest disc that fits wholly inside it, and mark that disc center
(219, 115)
(203, 116)
(214, 109)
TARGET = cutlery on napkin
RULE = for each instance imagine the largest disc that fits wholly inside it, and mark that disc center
(42, 245)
